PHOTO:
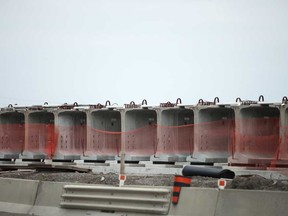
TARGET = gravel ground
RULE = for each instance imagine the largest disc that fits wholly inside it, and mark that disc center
(251, 182)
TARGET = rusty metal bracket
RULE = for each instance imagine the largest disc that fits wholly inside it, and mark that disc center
(35, 108)
(97, 106)
(68, 106)
(201, 102)
(168, 104)
(249, 102)
(9, 108)
(131, 105)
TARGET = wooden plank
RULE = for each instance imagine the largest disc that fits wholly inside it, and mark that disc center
(65, 168)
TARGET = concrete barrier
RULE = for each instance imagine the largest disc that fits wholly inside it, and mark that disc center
(214, 202)
(195, 201)
(17, 195)
(248, 202)
(48, 199)
(44, 198)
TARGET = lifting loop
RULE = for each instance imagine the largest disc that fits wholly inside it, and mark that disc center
(144, 102)
(178, 101)
(216, 99)
(200, 101)
(261, 98)
(107, 103)
(238, 99)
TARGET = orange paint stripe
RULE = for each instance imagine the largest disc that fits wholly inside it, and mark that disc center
(175, 199)
(182, 180)
(176, 189)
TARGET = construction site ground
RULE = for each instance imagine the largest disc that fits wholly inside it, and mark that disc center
(250, 182)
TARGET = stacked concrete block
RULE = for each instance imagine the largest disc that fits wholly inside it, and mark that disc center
(214, 130)
(103, 134)
(71, 133)
(283, 151)
(175, 132)
(257, 130)
(12, 132)
(246, 132)
(39, 133)
(139, 132)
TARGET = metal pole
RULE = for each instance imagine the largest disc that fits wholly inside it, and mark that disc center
(122, 176)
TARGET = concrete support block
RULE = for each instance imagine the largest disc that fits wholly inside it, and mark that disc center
(146, 162)
(111, 162)
(17, 195)
(49, 193)
(169, 158)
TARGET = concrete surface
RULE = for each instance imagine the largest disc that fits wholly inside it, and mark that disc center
(43, 198)
(254, 203)
(17, 196)
(195, 201)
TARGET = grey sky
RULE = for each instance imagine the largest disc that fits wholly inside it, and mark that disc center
(90, 51)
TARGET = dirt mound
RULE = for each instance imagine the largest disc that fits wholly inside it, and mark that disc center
(255, 182)
(252, 182)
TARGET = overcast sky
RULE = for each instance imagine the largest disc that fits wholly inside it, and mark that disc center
(90, 51)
